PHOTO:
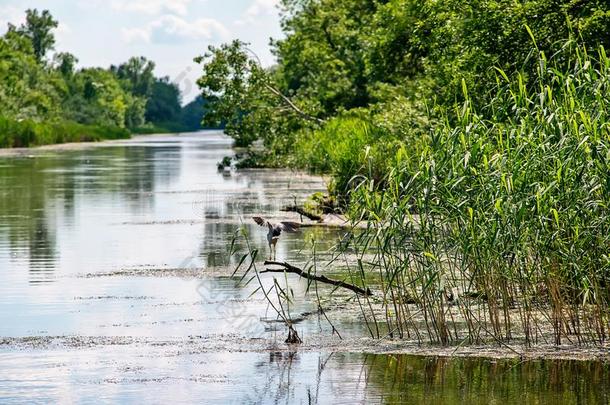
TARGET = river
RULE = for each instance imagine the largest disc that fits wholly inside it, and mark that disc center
(115, 287)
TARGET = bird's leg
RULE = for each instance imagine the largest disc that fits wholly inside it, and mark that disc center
(274, 244)
(270, 251)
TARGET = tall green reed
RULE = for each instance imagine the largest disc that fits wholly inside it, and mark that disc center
(496, 226)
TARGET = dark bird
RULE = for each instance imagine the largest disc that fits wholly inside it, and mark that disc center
(275, 230)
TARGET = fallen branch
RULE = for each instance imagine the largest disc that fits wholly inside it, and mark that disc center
(301, 211)
(288, 268)
(281, 95)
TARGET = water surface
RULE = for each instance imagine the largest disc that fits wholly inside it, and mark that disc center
(114, 287)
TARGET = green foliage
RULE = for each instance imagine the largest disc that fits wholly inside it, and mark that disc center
(65, 63)
(37, 29)
(164, 103)
(322, 57)
(44, 97)
(242, 96)
(98, 98)
(414, 52)
(26, 133)
(136, 76)
(192, 114)
(349, 148)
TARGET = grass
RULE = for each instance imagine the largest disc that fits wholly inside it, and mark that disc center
(26, 133)
(160, 128)
(349, 148)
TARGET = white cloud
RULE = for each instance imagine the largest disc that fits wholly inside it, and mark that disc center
(135, 35)
(256, 10)
(170, 28)
(261, 7)
(179, 7)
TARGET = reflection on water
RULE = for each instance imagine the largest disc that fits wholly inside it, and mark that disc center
(114, 287)
(163, 373)
(412, 379)
(149, 204)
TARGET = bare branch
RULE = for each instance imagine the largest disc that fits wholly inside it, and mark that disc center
(286, 100)
(288, 268)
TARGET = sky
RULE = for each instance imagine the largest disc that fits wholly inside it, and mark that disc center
(169, 32)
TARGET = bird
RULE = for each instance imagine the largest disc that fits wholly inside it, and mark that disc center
(275, 231)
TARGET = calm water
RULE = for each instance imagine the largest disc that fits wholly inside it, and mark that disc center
(114, 287)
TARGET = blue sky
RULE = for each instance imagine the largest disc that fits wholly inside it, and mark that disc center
(169, 32)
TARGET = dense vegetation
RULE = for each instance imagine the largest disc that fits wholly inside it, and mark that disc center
(474, 135)
(46, 99)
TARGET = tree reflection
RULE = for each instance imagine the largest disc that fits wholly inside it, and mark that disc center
(39, 195)
(417, 379)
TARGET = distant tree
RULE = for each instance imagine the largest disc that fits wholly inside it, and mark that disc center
(38, 28)
(65, 63)
(164, 102)
(192, 114)
(136, 75)
(135, 112)
(27, 88)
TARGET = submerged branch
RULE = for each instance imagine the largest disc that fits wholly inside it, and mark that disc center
(288, 268)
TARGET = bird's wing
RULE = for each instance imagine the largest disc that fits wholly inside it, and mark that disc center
(289, 226)
(260, 221)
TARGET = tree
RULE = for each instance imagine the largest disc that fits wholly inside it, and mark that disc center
(413, 54)
(136, 75)
(192, 114)
(65, 63)
(38, 28)
(246, 98)
(164, 102)
(27, 89)
(32, 89)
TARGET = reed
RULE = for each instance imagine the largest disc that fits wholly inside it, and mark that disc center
(496, 226)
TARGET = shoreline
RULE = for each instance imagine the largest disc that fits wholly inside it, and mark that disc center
(31, 151)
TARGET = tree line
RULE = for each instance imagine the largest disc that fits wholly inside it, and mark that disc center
(394, 60)
(45, 98)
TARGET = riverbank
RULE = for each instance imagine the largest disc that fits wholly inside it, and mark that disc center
(26, 133)
(33, 150)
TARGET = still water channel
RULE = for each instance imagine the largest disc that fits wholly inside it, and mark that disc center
(115, 287)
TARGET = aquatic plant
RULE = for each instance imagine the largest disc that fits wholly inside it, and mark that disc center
(497, 225)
